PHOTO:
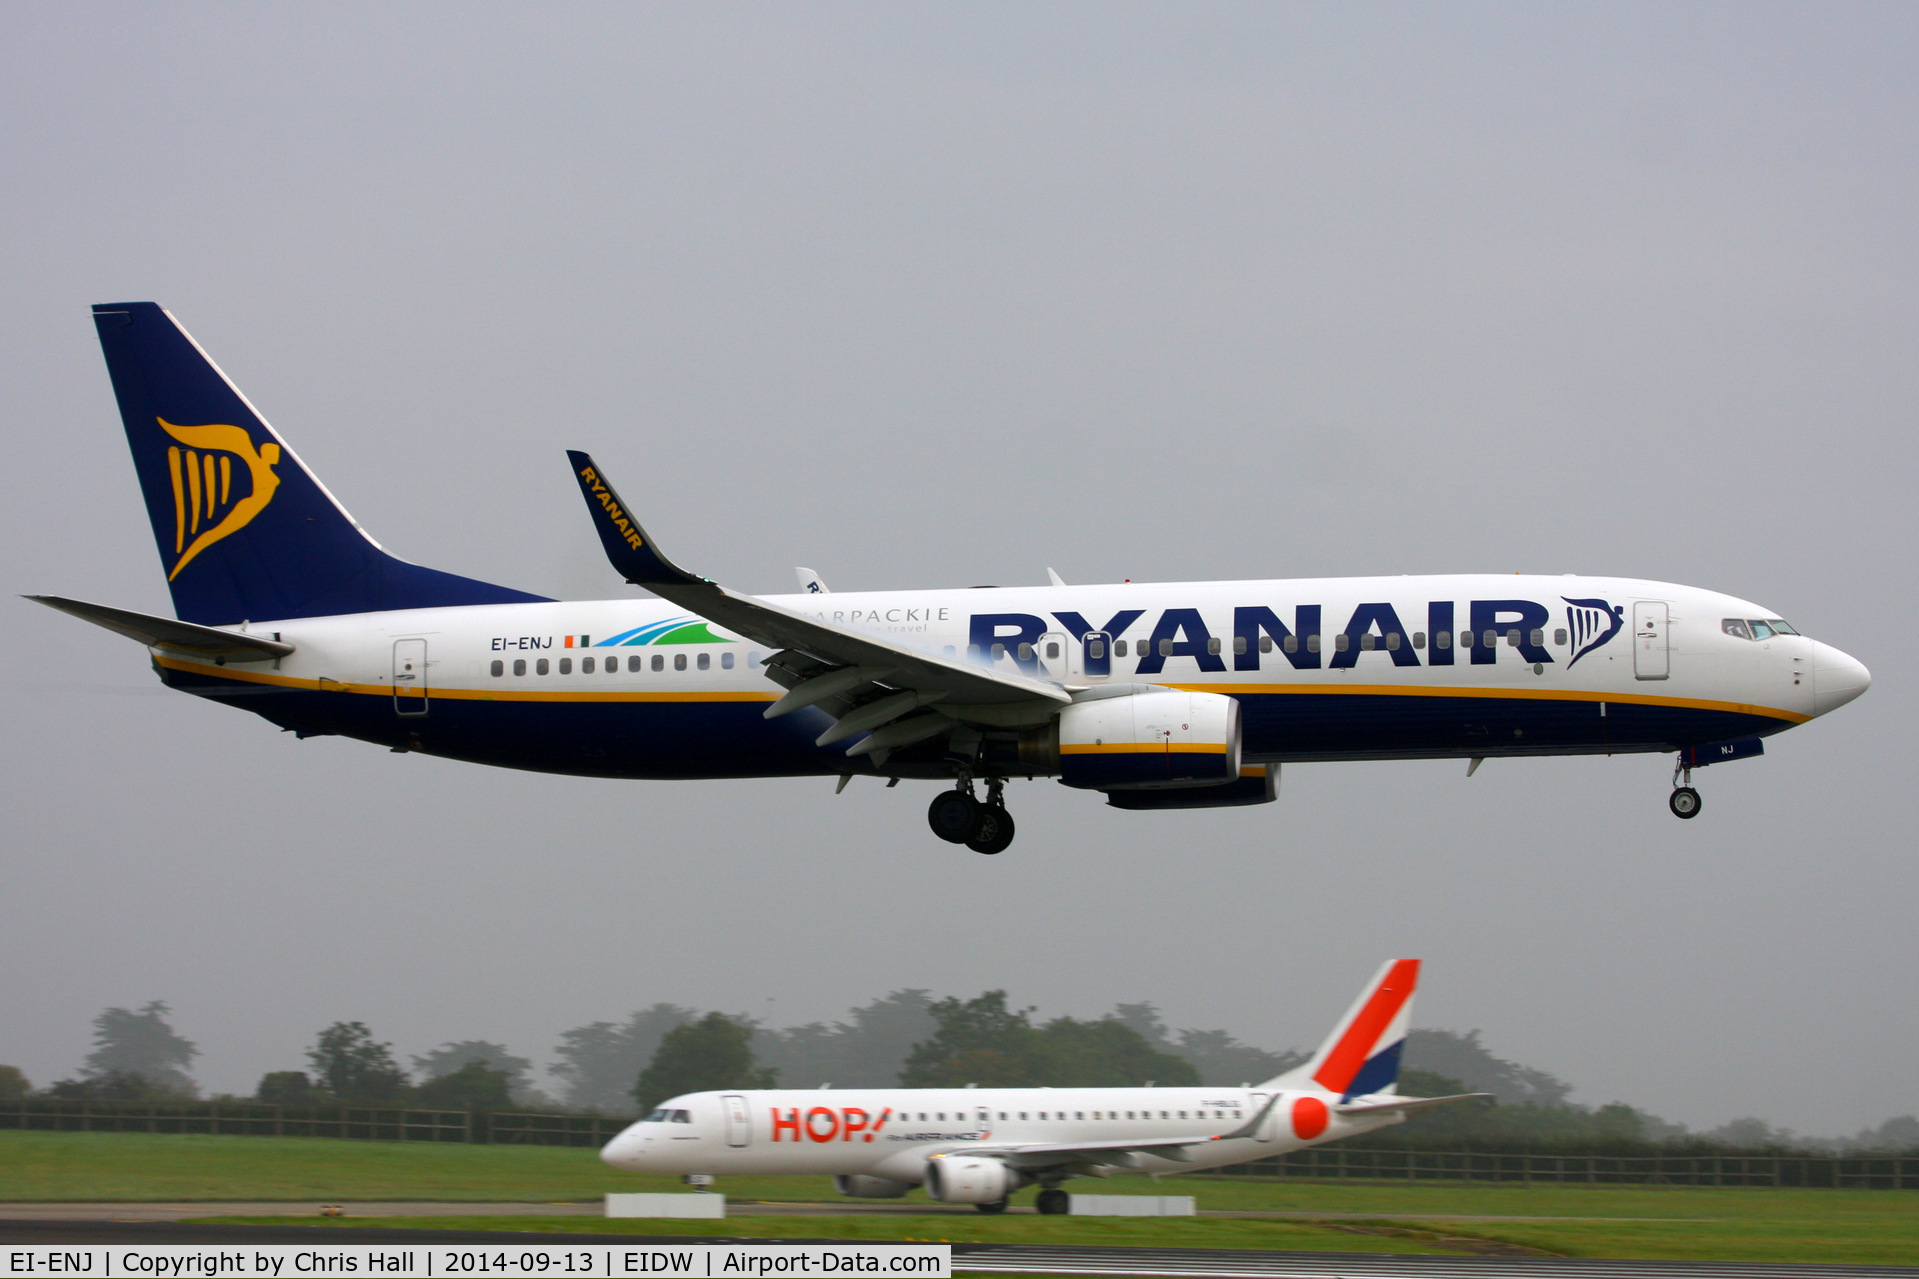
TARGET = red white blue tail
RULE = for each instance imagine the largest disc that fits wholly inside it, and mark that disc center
(1361, 1057)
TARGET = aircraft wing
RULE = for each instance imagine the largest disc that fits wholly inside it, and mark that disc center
(866, 682)
(165, 632)
(1048, 1154)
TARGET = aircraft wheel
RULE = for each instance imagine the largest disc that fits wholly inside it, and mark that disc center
(954, 816)
(1684, 803)
(999, 1206)
(1052, 1202)
(995, 834)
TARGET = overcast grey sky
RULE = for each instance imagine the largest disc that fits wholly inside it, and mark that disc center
(940, 295)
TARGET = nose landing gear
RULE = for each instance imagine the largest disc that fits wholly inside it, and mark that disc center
(959, 818)
(1685, 802)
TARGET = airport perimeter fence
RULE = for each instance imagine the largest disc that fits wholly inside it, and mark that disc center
(1337, 1163)
(353, 1123)
(1317, 1163)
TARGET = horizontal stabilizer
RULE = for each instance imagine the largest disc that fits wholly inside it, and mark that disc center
(1409, 1105)
(164, 632)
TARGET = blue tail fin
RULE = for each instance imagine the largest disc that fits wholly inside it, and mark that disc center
(244, 530)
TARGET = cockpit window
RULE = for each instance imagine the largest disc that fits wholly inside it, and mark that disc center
(1755, 628)
(682, 1116)
(657, 1117)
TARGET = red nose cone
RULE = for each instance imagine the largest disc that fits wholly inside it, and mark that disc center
(1309, 1117)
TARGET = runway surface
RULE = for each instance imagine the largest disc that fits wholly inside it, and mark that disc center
(1008, 1259)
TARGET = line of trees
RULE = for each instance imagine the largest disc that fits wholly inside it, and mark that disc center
(906, 1038)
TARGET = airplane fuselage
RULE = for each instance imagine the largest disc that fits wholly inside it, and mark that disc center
(1322, 669)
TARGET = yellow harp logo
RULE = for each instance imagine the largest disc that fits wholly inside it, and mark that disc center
(202, 474)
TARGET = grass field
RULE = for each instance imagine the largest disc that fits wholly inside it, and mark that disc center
(1859, 1226)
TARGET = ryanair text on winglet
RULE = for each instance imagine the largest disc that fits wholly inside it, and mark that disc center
(613, 510)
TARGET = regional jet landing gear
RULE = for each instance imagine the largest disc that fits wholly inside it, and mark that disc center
(959, 818)
(1053, 1202)
(1685, 800)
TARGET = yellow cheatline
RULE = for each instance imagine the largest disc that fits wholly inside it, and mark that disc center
(1534, 694)
(1141, 748)
(455, 694)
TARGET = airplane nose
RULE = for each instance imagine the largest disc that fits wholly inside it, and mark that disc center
(623, 1151)
(1837, 678)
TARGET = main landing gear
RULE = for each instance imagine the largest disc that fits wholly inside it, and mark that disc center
(1685, 800)
(959, 818)
(1053, 1202)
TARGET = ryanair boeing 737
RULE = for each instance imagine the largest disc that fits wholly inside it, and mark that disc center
(1157, 695)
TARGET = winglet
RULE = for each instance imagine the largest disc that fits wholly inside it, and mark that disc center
(631, 551)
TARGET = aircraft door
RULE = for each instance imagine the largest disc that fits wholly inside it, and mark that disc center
(1051, 650)
(1095, 655)
(409, 677)
(1265, 1130)
(1651, 625)
(739, 1121)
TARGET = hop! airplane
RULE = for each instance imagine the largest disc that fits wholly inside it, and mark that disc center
(1158, 695)
(979, 1145)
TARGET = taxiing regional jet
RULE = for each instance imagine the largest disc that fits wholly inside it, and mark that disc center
(979, 1145)
(1166, 695)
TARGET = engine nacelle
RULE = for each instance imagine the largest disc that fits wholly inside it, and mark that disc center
(1150, 740)
(1257, 784)
(968, 1179)
(858, 1187)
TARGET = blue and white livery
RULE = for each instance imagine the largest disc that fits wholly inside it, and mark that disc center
(1158, 695)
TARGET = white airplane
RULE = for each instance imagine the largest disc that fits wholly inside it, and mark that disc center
(1170, 695)
(979, 1145)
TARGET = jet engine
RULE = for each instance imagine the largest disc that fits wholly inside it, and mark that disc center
(968, 1179)
(858, 1187)
(1141, 741)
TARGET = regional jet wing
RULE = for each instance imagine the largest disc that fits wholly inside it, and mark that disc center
(822, 664)
(1047, 1154)
(164, 632)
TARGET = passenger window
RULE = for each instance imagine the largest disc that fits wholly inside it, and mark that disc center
(1539, 637)
(1119, 648)
(1212, 646)
(726, 661)
(1166, 648)
(679, 661)
(1022, 1114)
(941, 1116)
(1365, 642)
(1512, 638)
(539, 667)
(998, 651)
(1290, 644)
(1096, 649)
(566, 666)
(1419, 639)
(633, 662)
(945, 652)
(519, 666)
(1490, 639)
(1266, 644)
(1342, 641)
(659, 661)
(1052, 651)
(1025, 652)
(499, 669)
(1442, 639)
(1312, 642)
(1559, 638)
(1736, 627)
(705, 661)
(586, 665)
(1392, 641)
(1079, 1114)
(1239, 646)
